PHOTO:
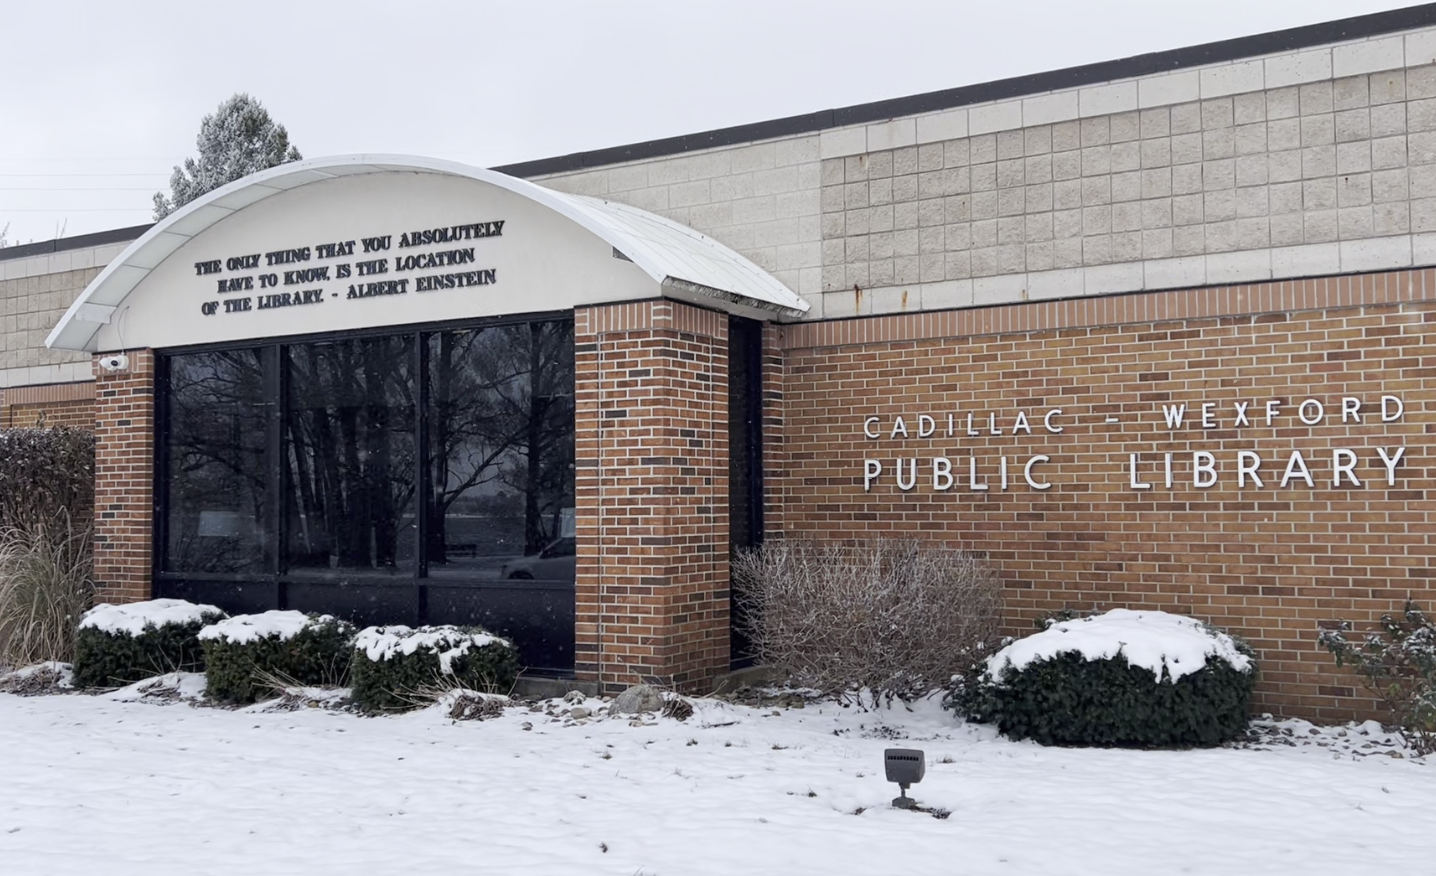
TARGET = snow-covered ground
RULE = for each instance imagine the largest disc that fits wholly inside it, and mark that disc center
(129, 783)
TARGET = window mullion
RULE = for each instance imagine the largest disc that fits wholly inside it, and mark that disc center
(276, 383)
(421, 457)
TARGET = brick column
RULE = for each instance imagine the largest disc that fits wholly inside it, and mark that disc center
(124, 478)
(652, 493)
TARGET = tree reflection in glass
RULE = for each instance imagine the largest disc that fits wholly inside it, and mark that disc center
(215, 453)
(350, 450)
(501, 450)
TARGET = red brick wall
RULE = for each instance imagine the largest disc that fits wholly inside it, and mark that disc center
(652, 492)
(1271, 564)
(124, 478)
(63, 404)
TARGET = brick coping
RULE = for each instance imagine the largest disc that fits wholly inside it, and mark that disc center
(52, 392)
(1246, 299)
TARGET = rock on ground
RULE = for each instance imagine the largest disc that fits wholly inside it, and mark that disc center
(639, 698)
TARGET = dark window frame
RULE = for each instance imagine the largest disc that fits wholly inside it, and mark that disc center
(272, 583)
(746, 523)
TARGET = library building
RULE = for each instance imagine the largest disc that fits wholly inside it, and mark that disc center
(1152, 333)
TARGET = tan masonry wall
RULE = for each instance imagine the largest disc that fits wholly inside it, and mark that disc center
(35, 291)
(652, 494)
(124, 479)
(64, 404)
(1308, 163)
(1273, 564)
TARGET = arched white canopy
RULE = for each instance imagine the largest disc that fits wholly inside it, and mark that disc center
(683, 262)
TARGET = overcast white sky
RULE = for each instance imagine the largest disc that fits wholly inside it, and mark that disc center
(100, 100)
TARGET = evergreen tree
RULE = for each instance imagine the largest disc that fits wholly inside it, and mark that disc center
(4, 231)
(238, 139)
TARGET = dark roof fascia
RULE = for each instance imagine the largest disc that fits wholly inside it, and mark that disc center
(1274, 42)
(80, 241)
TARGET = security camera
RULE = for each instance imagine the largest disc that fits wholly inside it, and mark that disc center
(115, 363)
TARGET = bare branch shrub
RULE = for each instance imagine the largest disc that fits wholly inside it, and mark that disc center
(45, 472)
(895, 617)
(45, 586)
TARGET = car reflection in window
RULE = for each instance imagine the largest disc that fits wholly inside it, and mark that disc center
(556, 562)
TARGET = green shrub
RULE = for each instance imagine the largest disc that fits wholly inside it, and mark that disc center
(1124, 679)
(397, 668)
(45, 473)
(122, 644)
(45, 587)
(1399, 666)
(249, 656)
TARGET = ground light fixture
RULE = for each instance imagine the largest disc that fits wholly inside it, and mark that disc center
(905, 766)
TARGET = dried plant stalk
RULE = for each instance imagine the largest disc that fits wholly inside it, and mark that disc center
(45, 586)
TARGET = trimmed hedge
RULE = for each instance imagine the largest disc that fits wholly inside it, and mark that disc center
(114, 658)
(45, 473)
(308, 650)
(1066, 699)
(393, 666)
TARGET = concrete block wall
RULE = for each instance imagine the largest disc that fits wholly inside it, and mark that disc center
(1310, 163)
(761, 199)
(34, 294)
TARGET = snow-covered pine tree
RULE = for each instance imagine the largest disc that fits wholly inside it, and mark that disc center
(238, 139)
(4, 232)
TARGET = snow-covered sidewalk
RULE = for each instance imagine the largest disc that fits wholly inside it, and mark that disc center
(97, 785)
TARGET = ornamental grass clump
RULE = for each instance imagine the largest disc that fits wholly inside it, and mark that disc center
(45, 587)
(47, 479)
(251, 656)
(1123, 678)
(121, 644)
(397, 668)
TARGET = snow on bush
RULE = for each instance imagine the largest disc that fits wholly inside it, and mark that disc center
(398, 667)
(121, 644)
(248, 656)
(245, 628)
(134, 618)
(1121, 678)
(1170, 645)
(382, 643)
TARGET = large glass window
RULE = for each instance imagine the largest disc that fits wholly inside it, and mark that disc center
(310, 459)
(500, 460)
(349, 448)
(216, 473)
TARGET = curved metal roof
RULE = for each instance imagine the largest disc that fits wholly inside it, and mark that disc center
(674, 255)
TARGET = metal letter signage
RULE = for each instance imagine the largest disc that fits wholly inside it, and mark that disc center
(373, 275)
(983, 471)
